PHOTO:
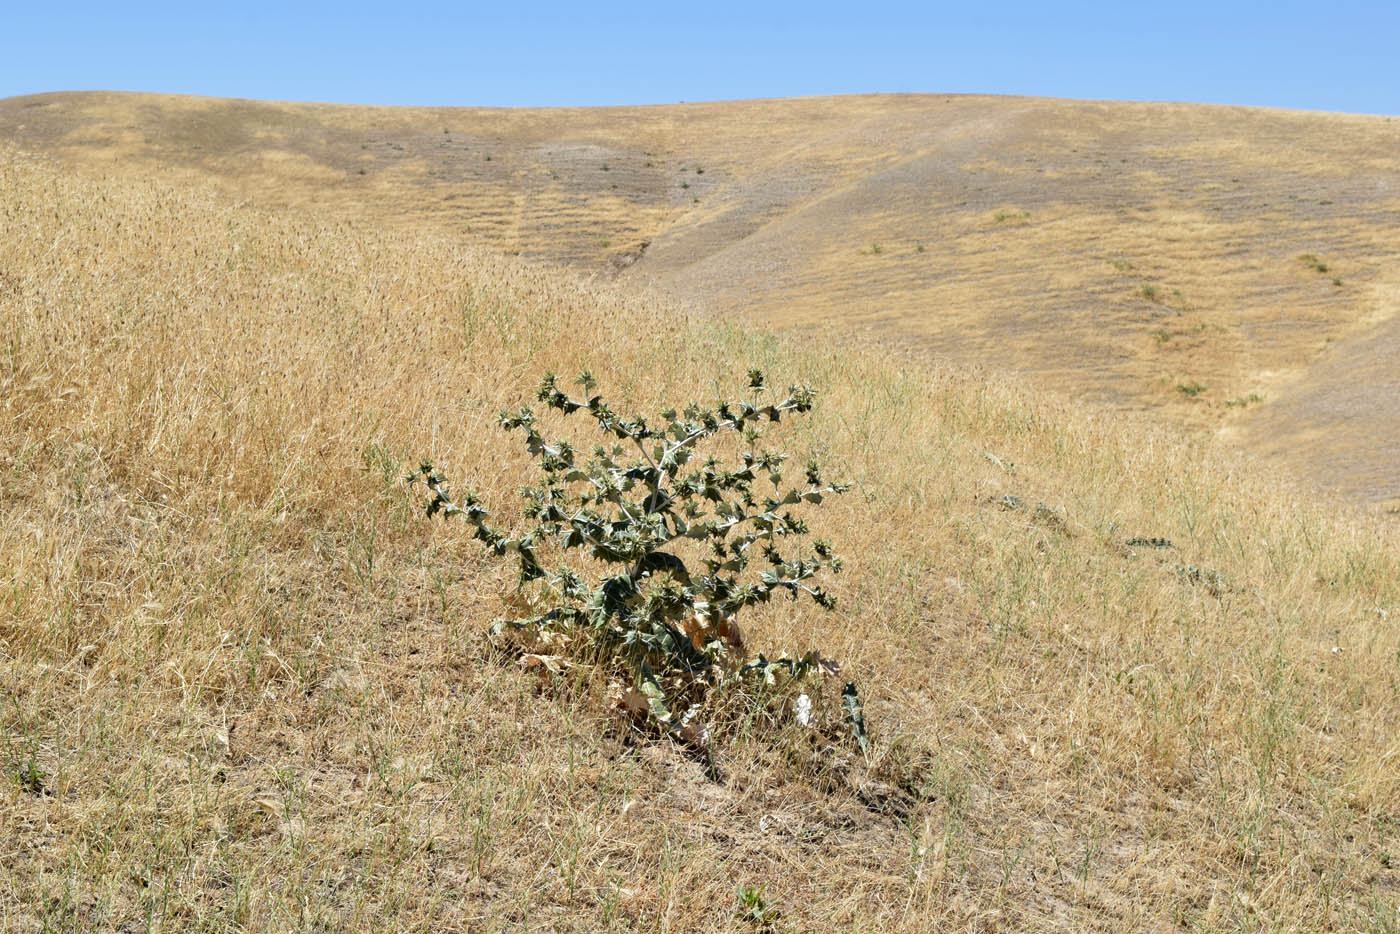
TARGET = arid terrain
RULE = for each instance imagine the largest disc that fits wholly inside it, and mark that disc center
(1227, 268)
(1122, 669)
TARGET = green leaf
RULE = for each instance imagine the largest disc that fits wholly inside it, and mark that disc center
(656, 700)
(855, 715)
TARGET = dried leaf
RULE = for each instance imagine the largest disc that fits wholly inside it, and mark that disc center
(695, 733)
(552, 664)
(692, 730)
(730, 632)
(634, 702)
(549, 638)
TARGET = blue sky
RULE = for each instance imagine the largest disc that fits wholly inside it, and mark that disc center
(1340, 55)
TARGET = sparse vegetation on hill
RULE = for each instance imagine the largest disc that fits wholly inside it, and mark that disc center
(243, 684)
(1069, 213)
(668, 637)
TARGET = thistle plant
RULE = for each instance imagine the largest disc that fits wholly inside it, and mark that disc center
(682, 545)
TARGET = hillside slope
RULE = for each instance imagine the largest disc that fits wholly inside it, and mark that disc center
(1114, 682)
(1232, 269)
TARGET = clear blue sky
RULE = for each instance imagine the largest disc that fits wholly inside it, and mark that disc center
(1337, 55)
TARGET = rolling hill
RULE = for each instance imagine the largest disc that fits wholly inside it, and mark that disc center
(1116, 676)
(1230, 269)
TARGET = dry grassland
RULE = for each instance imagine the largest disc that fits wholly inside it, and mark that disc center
(1233, 270)
(243, 684)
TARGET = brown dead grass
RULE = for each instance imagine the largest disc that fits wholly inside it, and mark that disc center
(243, 686)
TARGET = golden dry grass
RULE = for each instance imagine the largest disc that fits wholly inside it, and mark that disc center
(1124, 252)
(243, 684)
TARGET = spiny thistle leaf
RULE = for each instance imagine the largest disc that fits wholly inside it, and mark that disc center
(855, 714)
